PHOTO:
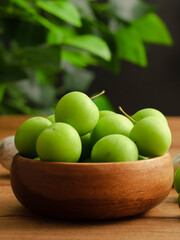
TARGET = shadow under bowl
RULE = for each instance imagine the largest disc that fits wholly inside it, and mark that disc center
(91, 190)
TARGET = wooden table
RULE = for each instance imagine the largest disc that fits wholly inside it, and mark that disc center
(161, 222)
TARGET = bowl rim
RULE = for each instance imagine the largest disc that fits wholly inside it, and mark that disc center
(166, 155)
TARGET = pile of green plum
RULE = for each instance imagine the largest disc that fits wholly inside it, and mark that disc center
(79, 132)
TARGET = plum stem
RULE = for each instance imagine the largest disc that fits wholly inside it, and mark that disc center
(98, 94)
(130, 118)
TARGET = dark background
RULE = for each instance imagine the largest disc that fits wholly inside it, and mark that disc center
(156, 86)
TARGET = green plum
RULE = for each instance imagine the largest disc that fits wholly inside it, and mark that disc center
(179, 200)
(60, 142)
(111, 124)
(114, 148)
(105, 113)
(51, 118)
(177, 180)
(78, 110)
(152, 136)
(27, 134)
(86, 147)
(148, 112)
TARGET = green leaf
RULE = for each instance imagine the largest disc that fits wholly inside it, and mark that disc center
(42, 57)
(38, 18)
(47, 77)
(103, 103)
(113, 65)
(152, 30)
(61, 9)
(25, 5)
(92, 44)
(130, 46)
(56, 37)
(49, 25)
(77, 58)
(129, 10)
(2, 91)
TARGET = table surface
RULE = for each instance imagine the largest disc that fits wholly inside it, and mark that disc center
(16, 222)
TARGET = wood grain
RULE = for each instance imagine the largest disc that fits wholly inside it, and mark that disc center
(162, 222)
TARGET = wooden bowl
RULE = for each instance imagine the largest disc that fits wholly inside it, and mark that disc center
(91, 190)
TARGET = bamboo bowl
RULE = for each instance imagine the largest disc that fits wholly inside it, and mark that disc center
(91, 190)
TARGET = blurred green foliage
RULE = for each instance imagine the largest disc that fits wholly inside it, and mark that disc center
(47, 45)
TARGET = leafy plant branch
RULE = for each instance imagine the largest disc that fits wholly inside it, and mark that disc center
(46, 46)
